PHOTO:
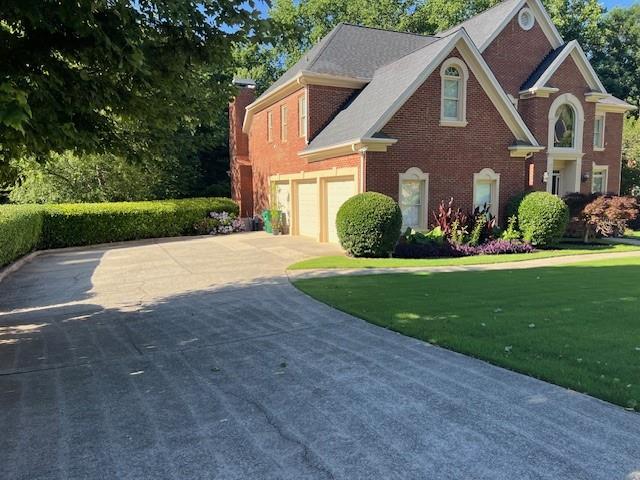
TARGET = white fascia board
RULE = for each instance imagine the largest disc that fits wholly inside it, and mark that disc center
(542, 17)
(574, 49)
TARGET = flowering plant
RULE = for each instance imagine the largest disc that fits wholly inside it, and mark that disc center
(219, 223)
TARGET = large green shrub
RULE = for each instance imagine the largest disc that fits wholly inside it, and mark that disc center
(369, 225)
(74, 224)
(543, 218)
(20, 228)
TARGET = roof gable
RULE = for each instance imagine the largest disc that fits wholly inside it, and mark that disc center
(393, 84)
(549, 65)
(486, 26)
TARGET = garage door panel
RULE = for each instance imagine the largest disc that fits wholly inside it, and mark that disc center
(338, 192)
(307, 211)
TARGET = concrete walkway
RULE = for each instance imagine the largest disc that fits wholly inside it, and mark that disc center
(196, 358)
(541, 262)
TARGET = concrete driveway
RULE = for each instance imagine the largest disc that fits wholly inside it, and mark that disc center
(195, 358)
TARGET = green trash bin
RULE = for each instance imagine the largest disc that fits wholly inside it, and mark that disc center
(266, 221)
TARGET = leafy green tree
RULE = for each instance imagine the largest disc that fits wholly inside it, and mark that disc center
(630, 155)
(618, 60)
(120, 76)
(581, 20)
(68, 177)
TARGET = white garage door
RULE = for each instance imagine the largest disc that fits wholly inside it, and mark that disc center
(283, 197)
(308, 217)
(338, 191)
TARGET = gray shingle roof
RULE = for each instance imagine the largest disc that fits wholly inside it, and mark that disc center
(481, 27)
(355, 52)
(544, 65)
(389, 82)
(611, 100)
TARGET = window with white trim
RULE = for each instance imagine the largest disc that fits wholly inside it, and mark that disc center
(453, 92)
(598, 132)
(486, 190)
(269, 126)
(302, 116)
(412, 198)
(599, 179)
(283, 122)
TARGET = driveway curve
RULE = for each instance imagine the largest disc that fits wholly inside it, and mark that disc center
(196, 358)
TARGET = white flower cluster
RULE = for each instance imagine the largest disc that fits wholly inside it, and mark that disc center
(220, 223)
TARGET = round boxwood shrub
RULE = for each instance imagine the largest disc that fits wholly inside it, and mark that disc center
(543, 218)
(369, 225)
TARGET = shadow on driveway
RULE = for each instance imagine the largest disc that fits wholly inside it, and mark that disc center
(254, 380)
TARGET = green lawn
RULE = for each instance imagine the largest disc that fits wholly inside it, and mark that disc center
(342, 261)
(576, 325)
(632, 234)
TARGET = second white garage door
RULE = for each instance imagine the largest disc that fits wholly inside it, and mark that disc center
(308, 216)
(337, 192)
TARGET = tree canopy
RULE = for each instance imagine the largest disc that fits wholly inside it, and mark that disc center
(117, 76)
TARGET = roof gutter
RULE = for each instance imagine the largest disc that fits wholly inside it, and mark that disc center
(347, 148)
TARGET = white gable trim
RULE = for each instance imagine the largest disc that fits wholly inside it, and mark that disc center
(542, 17)
(577, 54)
(483, 74)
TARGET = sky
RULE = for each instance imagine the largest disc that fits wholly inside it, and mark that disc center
(618, 3)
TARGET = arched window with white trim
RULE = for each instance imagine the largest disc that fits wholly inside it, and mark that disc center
(413, 193)
(453, 105)
(566, 123)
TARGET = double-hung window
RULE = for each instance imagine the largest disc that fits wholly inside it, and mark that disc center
(598, 133)
(283, 122)
(302, 116)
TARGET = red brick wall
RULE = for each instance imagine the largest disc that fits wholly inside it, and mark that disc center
(515, 53)
(450, 155)
(324, 104)
(270, 158)
(239, 167)
(535, 112)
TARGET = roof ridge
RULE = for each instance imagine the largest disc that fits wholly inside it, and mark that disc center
(436, 40)
(328, 39)
(388, 30)
(499, 4)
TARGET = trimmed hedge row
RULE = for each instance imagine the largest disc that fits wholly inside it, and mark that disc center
(25, 227)
(20, 231)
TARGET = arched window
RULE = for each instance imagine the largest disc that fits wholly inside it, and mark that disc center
(565, 126)
(453, 103)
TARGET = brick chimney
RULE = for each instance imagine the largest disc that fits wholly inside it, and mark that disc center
(240, 164)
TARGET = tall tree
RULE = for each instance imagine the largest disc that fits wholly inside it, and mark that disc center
(117, 76)
(581, 20)
(618, 60)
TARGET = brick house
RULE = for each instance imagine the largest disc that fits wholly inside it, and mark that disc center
(495, 106)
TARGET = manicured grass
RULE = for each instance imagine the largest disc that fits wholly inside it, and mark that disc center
(632, 234)
(576, 326)
(342, 261)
